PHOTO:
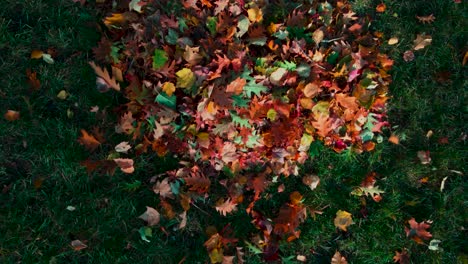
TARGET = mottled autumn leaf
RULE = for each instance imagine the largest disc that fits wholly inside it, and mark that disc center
(343, 219)
(151, 216)
(424, 157)
(185, 78)
(426, 19)
(236, 86)
(255, 14)
(123, 147)
(295, 197)
(312, 181)
(408, 56)
(418, 231)
(11, 115)
(88, 141)
(338, 259)
(422, 41)
(322, 125)
(104, 78)
(126, 165)
(163, 188)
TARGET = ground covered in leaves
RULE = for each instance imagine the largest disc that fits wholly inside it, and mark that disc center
(373, 172)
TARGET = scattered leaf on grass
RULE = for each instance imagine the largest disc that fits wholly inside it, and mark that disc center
(32, 80)
(434, 245)
(226, 207)
(77, 245)
(62, 95)
(126, 165)
(424, 157)
(426, 19)
(338, 259)
(422, 41)
(394, 139)
(123, 147)
(36, 54)
(145, 232)
(393, 41)
(104, 78)
(408, 56)
(418, 231)
(381, 8)
(311, 180)
(12, 115)
(151, 216)
(465, 58)
(71, 208)
(402, 258)
(88, 141)
(342, 220)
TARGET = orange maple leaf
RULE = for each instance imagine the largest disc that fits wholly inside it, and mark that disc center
(88, 141)
(417, 231)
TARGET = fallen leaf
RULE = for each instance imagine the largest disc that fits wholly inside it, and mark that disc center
(36, 54)
(465, 58)
(226, 207)
(71, 208)
(426, 19)
(255, 14)
(402, 258)
(12, 115)
(422, 41)
(343, 219)
(125, 165)
(424, 157)
(163, 188)
(393, 41)
(394, 139)
(185, 78)
(434, 245)
(89, 141)
(104, 77)
(338, 259)
(381, 8)
(77, 245)
(183, 221)
(62, 95)
(301, 258)
(123, 147)
(116, 18)
(408, 56)
(32, 80)
(151, 216)
(311, 180)
(417, 231)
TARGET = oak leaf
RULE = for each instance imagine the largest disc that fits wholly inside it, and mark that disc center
(151, 216)
(226, 207)
(422, 41)
(88, 141)
(322, 125)
(104, 77)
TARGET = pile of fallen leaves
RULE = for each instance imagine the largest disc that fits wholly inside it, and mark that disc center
(240, 98)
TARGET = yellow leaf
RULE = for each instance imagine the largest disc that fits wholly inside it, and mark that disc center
(168, 88)
(343, 219)
(36, 54)
(185, 78)
(116, 18)
(255, 14)
(393, 41)
(62, 95)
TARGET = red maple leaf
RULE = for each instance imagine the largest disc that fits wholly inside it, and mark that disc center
(417, 231)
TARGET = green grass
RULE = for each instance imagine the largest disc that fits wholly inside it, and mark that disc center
(428, 93)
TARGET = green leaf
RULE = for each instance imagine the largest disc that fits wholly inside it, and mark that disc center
(164, 99)
(175, 187)
(254, 88)
(115, 53)
(243, 26)
(237, 120)
(182, 24)
(333, 57)
(252, 141)
(303, 70)
(366, 135)
(145, 232)
(261, 41)
(172, 36)
(47, 58)
(290, 66)
(211, 24)
(239, 101)
(281, 34)
(253, 249)
(159, 59)
(315, 148)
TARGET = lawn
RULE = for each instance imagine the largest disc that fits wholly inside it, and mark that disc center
(48, 200)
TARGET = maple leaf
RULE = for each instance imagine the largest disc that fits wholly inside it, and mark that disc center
(126, 165)
(104, 77)
(163, 188)
(417, 231)
(226, 207)
(422, 41)
(338, 259)
(89, 141)
(343, 219)
(151, 216)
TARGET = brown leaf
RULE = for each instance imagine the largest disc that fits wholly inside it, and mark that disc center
(394, 139)
(151, 216)
(311, 180)
(32, 80)
(104, 77)
(426, 19)
(311, 90)
(322, 125)
(408, 56)
(417, 231)
(338, 259)
(12, 115)
(236, 86)
(402, 257)
(163, 188)
(36, 54)
(226, 207)
(343, 219)
(126, 165)
(422, 41)
(77, 245)
(88, 141)
(192, 55)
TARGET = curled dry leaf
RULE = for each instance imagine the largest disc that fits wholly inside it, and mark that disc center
(408, 56)
(163, 188)
(381, 8)
(88, 141)
(123, 147)
(422, 41)
(77, 245)
(12, 115)
(338, 259)
(343, 219)
(151, 216)
(393, 41)
(311, 180)
(126, 165)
